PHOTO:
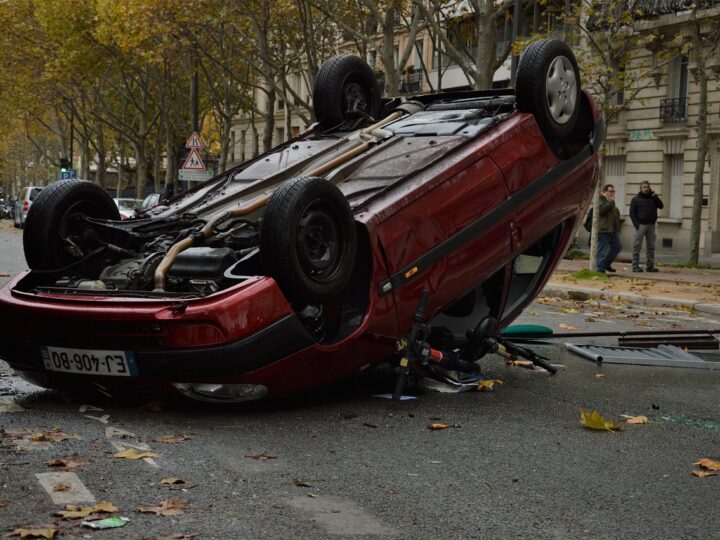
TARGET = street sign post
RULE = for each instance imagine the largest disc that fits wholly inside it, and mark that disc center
(193, 168)
(68, 174)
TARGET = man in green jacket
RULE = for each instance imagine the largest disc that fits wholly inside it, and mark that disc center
(608, 230)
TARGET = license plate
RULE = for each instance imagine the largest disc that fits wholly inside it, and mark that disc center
(90, 362)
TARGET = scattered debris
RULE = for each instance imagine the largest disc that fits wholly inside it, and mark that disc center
(68, 463)
(301, 483)
(36, 531)
(594, 420)
(167, 507)
(663, 355)
(177, 483)
(262, 456)
(133, 453)
(73, 511)
(564, 326)
(108, 523)
(599, 375)
(61, 487)
(54, 435)
(368, 424)
(709, 464)
(172, 439)
(488, 384)
(634, 419)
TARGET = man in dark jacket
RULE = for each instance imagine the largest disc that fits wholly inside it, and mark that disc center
(608, 230)
(643, 212)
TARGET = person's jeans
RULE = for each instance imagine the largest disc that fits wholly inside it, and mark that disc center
(646, 231)
(608, 248)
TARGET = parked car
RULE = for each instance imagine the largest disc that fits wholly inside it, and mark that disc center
(310, 262)
(27, 195)
(127, 207)
(150, 201)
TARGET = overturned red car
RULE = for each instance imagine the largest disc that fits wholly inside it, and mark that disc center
(306, 264)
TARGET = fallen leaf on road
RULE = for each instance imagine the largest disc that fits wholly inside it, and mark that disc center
(301, 483)
(67, 463)
(276, 505)
(591, 319)
(177, 483)
(703, 474)
(569, 310)
(634, 419)
(73, 511)
(564, 326)
(154, 406)
(35, 532)
(171, 439)
(260, 457)
(599, 375)
(487, 384)
(709, 464)
(172, 481)
(168, 507)
(522, 363)
(439, 426)
(594, 420)
(132, 453)
(61, 487)
(52, 436)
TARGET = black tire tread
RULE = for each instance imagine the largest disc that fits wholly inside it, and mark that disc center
(40, 227)
(329, 84)
(276, 245)
(530, 80)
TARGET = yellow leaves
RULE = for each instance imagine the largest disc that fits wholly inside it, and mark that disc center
(54, 435)
(703, 474)
(36, 532)
(488, 384)
(564, 326)
(710, 464)
(634, 419)
(262, 456)
(132, 453)
(168, 507)
(594, 420)
(73, 511)
(438, 426)
(171, 439)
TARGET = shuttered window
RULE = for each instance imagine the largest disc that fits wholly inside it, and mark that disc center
(677, 170)
(615, 175)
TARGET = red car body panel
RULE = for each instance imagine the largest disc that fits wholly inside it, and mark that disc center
(490, 177)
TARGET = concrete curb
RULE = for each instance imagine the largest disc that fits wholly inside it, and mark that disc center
(556, 289)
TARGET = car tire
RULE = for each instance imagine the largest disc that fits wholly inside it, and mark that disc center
(345, 86)
(308, 240)
(53, 217)
(548, 85)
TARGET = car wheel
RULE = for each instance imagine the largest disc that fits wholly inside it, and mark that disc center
(345, 87)
(54, 225)
(548, 85)
(308, 240)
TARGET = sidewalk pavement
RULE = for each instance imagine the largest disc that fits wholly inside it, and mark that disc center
(685, 288)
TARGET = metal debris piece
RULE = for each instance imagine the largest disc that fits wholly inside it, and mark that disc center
(663, 355)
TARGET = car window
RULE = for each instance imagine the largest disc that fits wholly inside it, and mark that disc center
(34, 192)
(127, 204)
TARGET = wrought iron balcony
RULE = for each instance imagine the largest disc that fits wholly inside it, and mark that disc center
(412, 81)
(674, 110)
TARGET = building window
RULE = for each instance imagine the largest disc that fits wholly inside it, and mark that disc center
(673, 185)
(674, 108)
(615, 175)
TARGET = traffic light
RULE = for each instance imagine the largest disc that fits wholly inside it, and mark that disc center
(64, 164)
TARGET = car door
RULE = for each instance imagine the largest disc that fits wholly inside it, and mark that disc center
(453, 233)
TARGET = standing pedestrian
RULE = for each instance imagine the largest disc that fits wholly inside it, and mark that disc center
(608, 230)
(643, 212)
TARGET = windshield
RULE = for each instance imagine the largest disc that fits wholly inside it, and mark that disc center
(127, 204)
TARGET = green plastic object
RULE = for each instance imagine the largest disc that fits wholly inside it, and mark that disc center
(107, 523)
(526, 331)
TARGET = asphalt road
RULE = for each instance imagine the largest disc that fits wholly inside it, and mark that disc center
(516, 463)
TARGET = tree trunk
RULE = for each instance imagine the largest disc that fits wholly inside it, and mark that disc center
(141, 168)
(84, 158)
(592, 264)
(269, 117)
(157, 157)
(702, 151)
(484, 54)
(121, 170)
(170, 155)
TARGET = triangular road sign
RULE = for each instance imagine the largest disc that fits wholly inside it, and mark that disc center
(194, 141)
(193, 162)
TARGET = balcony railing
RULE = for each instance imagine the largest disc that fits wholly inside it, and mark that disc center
(412, 81)
(673, 111)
